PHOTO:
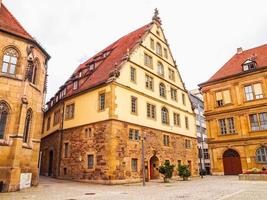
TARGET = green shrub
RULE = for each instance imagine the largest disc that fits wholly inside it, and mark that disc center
(184, 171)
(166, 169)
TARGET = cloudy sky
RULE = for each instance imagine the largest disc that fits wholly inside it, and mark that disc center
(202, 35)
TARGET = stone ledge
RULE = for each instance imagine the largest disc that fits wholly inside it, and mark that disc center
(252, 177)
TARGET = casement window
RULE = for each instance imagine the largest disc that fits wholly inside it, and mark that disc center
(227, 126)
(102, 100)
(206, 154)
(253, 91)
(160, 69)
(176, 119)
(134, 164)
(56, 117)
(258, 121)
(165, 53)
(90, 161)
(183, 99)
(75, 85)
(166, 140)
(149, 82)
(162, 90)
(187, 143)
(133, 105)
(249, 65)
(4, 112)
(186, 122)
(70, 111)
(158, 49)
(10, 60)
(151, 111)
(148, 61)
(133, 74)
(164, 116)
(171, 74)
(152, 43)
(66, 150)
(261, 155)
(48, 123)
(134, 134)
(222, 98)
(27, 126)
(173, 94)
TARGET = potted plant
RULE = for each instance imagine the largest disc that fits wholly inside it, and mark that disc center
(166, 169)
(184, 172)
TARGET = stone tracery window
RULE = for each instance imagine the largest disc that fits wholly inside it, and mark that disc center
(10, 60)
(33, 72)
(27, 126)
(4, 111)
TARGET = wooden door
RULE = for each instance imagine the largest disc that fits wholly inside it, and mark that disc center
(232, 163)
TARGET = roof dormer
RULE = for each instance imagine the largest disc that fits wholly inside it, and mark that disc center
(249, 65)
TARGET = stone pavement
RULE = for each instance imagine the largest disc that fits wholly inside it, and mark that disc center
(209, 188)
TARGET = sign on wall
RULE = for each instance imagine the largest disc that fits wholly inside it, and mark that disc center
(25, 180)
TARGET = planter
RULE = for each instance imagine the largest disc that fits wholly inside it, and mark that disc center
(252, 177)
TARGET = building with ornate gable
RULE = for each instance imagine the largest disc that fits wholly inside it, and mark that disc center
(236, 112)
(23, 69)
(130, 91)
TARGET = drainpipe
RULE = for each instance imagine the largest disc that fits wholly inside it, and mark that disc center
(60, 139)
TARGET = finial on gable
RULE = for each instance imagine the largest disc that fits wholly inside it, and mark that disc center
(156, 17)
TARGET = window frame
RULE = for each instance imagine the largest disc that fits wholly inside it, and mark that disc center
(70, 110)
(133, 74)
(261, 154)
(149, 110)
(165, 121)
(102, 101)
(134, 165)
(8, 53)
(149, 82)
(134, 106)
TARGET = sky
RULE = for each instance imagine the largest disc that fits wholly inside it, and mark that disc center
(202, 35)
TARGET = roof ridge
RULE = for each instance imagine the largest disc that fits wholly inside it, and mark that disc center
(253, 48)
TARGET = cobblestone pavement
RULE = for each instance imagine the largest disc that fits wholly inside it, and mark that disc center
(209, 188)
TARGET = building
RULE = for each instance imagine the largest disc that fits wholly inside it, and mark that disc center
(22, 92)
(203, 153)
(236, 113)
(128, 92)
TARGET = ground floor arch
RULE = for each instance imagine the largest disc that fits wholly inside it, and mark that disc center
(231, 162)
(154, 167)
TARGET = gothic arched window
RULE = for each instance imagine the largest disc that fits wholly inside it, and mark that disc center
(10, 60)
(165, 115)
(162, 90)
(3, 118)
(27, 126)
(261, 155)
(33, 70)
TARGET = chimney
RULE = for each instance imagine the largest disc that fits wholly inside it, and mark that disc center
(239, 50)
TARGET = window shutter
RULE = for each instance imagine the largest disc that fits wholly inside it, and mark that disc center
(257, 89)
(226, 96)
(218, 96)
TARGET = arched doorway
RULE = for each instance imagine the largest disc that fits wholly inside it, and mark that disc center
(231, 162)
(154, 167)
(50, 163)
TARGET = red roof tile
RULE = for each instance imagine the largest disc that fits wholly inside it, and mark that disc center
(9, 23)
(234, 65)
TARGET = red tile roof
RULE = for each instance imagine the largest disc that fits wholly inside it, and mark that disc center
(234, 65)
(106, 61)
(9, 23)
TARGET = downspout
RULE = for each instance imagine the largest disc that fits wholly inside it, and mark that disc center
(60, 139)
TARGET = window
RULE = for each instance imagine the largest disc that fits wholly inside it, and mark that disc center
(66, 150)
(249, 65)
(227, 126)
(48, 123)
(186, 122)
(134, 164)
(134, 105)
(162, 90)
(258, 121)
(261, 155)
(158, 49)
(134, 134)
(90, 161)
(151, 111)
(102, 101)
(171, 74)
(75, 85)
(187, 144)
(253, 91)
(222, 98)
(33, 72)
(173, 94)
(149, 82)
(152, 43)
(133, 74)
(176, 119)
(148, 61)
(183, 99)
(206, 154)
(165, 53)
(10, 61)
(3, 118)
(164, 116)
(27, 126)
(160, 69)
(69, 111)
(166, 140)
(56, 117)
